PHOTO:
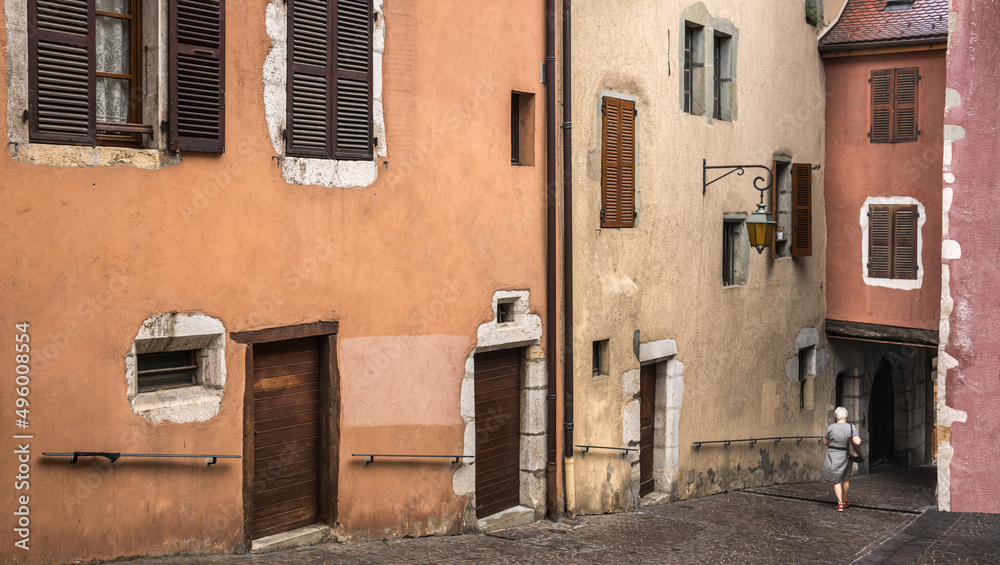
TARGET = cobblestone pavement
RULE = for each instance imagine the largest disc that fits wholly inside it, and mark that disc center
(781, 524)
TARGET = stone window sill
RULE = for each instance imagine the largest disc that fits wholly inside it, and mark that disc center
(179, 405)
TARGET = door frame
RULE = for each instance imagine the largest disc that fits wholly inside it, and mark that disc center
(329, 414)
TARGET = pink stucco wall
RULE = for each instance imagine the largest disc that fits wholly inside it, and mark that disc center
(972, 386)
(857, 169)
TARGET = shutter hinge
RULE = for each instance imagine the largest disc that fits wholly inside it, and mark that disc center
(375, 141)
(635, 112)
(635, 214)
(604, 107)
(164, 125)
(284, 135)
(374, 16)
(26, 116)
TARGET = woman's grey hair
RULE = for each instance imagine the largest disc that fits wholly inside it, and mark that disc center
(840, 413)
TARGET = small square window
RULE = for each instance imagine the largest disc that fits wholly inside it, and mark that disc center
(167, 369)
(601, 365)
(730, 244)
(505, 312)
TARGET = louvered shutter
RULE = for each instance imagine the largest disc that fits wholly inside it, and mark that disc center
(801, 210)
(626, 186)
(774, 208)
(309, 104)
(61, 81)
(879, 241)
(353, 80)
(196, 107)
(906, 104)
(611, 164)
(904, 232)
(881, 126)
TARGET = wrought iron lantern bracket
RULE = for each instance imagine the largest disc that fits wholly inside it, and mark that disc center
(739, 170)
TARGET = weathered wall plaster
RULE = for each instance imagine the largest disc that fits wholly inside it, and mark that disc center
(968, 388)
(323, 172)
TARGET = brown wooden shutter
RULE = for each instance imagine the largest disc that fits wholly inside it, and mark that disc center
(611, 164)
(801, 210)
(774, 208)
(196, 107)
(879, 241)
(881, 127)
(353, 80)
(61, 81)
(309, 105)
(906, 104)
(904, 232)
(626, 187)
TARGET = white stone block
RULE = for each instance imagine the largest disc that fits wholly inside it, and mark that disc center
(630, 422)
(468, 399)
(657, 350)
(630, 383)
(675, 391)
(533, 453)
(533, 411)
(806, 337)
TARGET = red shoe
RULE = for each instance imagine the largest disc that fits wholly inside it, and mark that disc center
(841, 506)
(847, 503)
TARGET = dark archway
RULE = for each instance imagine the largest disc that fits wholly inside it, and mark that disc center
(881, 416)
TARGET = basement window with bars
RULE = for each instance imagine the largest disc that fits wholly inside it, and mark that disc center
(894, 96)
(329, 86)
(167, 369)
(90, 64)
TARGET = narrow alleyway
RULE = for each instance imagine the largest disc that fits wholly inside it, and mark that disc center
(892, 521)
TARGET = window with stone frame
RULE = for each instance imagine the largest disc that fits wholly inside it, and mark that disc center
(89, 63)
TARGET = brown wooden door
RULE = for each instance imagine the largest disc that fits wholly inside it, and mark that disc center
(647, 415)
(498, 430)
(286, 393)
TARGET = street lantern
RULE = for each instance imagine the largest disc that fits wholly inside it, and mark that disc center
(760, 227)
(760, 224)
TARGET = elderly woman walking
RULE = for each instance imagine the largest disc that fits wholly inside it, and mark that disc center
(837, 467)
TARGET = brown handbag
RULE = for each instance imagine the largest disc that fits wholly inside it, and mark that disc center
(854, 450)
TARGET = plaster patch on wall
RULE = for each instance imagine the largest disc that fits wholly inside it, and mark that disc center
(524, 331)
(952, 98)
(898, 284)
(324, 172)
(950, 249)
(816, 363)
(951, 134)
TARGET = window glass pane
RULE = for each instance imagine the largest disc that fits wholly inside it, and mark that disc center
(112, 45)
(112, 100)
(116, 6)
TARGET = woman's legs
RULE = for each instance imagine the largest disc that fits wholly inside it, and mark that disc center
(839, 491)
(846, 486)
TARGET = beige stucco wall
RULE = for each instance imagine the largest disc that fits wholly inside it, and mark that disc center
(737, 346)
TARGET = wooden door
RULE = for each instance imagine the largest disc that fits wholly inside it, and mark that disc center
(286, 455)
(498, 431)
(647, 415)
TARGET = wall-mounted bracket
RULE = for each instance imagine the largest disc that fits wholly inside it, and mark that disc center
(739, 170)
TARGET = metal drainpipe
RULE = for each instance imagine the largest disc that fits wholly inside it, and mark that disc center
(551, 271)
(567, 126)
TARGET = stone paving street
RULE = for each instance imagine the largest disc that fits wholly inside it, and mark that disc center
(892, 521)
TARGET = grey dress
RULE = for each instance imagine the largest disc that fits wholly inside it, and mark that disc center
(836, 467)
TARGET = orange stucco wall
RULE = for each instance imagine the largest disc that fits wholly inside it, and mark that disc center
(407, 266)
(857, 169)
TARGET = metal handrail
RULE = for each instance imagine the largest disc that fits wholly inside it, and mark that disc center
(624, 450)
(115, 456)
(752, 440)
(370, 457)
